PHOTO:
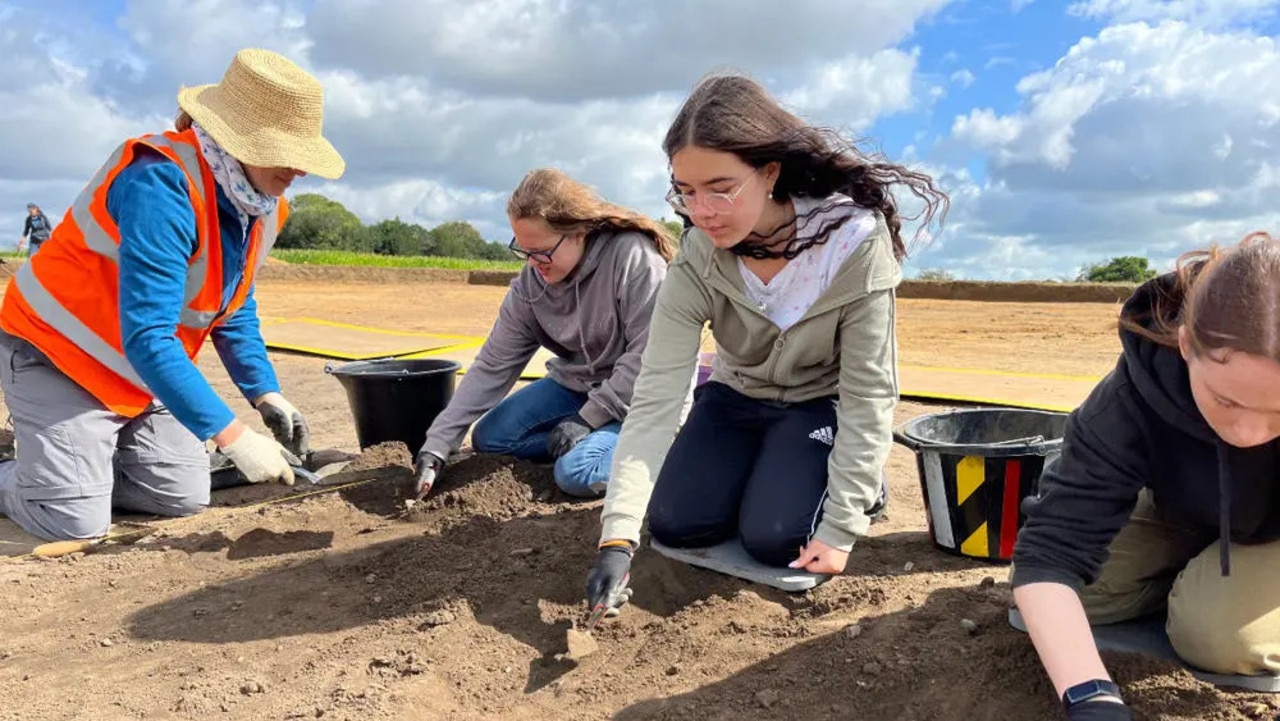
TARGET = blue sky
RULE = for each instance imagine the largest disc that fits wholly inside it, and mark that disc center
(1065, 132)
(993, 42)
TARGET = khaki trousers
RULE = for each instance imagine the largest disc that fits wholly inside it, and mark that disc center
(1221, 625)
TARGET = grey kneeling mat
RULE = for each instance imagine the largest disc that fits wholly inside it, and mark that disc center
(732, 559)
(1147, 636)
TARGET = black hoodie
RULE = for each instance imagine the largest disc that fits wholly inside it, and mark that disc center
(1139, 428)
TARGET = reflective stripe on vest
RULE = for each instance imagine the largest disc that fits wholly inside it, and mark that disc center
(90, 228)
(52, 312)
(97, 238)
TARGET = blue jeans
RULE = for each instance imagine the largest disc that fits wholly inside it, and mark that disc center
(519, 425)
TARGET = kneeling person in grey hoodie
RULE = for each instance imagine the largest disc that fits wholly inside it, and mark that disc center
(586, 294)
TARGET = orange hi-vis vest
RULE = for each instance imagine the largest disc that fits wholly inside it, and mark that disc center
(65, 300)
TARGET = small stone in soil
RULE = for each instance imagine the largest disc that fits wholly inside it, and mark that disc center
(767, 698)
(987, 582)
(106, 643)
(908, 567)
(520, 552)
(871, 668)
(852, 631)
(252, 686)
(673, 670)
(969, 626)
(371, 578)
(439, 618)
(581, 644)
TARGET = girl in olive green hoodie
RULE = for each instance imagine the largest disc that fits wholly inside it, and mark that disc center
(793, 258)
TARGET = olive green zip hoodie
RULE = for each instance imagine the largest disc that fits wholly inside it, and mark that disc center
(844, 345)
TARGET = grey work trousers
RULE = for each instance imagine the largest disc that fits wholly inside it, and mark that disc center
(76, 459)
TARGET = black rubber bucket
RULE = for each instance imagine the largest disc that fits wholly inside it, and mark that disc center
(976, 467)
(396, 400)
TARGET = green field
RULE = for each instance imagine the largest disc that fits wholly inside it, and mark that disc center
(342, 257)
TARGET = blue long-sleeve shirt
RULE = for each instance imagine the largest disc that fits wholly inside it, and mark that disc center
(151, 207)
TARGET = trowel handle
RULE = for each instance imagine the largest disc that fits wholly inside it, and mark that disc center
(58, 549)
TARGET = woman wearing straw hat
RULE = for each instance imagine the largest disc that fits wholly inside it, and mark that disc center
(100, 331)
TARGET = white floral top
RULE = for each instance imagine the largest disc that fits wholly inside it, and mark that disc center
(787, 297)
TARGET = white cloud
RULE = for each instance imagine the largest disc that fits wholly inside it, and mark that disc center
(440, 106)
(1017, 6)
(1142, 140)
(569, 50)
(963, 77)
(1203, 13)
(859, 89)
(425, 202)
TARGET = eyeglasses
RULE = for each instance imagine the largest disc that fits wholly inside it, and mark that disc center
(541, 256)
(718, 203)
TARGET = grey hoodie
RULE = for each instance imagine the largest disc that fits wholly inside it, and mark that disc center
(596, 322)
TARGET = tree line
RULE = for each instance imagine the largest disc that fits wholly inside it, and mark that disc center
(1122, 269)
(317, 222)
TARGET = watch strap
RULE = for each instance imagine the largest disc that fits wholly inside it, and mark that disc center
(1089, 690)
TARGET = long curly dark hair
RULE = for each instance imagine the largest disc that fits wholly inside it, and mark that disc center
(735, 114)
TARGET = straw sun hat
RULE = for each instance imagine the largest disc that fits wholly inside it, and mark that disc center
(266, 112)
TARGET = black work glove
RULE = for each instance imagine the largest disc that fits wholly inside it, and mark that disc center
(609, 578)
(567, 434)
(426, 467)
(287, 423)
(1100, 711)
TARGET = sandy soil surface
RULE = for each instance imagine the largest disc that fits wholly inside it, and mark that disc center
(1066, 338)
(341, 606)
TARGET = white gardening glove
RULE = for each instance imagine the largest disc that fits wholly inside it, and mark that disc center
(260, 459)
(287, 423)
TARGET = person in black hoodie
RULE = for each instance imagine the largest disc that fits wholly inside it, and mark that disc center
(1166, 493)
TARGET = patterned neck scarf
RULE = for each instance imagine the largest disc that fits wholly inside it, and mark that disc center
(231, 178)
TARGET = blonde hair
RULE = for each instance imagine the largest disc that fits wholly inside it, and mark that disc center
(568, 206)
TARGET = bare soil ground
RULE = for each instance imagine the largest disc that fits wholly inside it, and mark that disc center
(340, 606)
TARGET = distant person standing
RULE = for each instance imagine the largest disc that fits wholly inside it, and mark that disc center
(37, 229)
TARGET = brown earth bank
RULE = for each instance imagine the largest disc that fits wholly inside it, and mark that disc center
(990, 291)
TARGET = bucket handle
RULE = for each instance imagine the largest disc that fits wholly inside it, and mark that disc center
(903, 439)
(1035, 444)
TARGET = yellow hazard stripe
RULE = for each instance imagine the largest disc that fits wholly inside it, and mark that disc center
(970, 473)
(976, 544)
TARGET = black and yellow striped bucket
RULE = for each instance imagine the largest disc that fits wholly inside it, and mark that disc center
(976, 467)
